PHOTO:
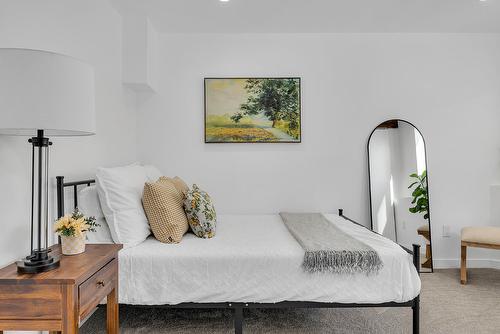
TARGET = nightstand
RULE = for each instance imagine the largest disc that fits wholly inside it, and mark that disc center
(57, 300)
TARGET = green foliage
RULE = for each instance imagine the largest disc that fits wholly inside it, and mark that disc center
(91, 221)
(276, 99)
(237, 117)
(420, 194)
(67, 232)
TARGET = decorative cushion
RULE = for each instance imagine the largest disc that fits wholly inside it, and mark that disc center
(120, 194)
(88, 203)
(200, 212)
(163, 206)
(180, 185)
(482, 234)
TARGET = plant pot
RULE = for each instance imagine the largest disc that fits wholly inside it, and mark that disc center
(73, 245)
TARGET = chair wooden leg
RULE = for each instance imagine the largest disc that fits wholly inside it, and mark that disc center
(463, 265)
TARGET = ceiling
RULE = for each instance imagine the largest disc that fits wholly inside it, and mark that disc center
(317, 16)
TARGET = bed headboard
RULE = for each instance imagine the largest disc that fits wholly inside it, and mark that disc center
(61, 185)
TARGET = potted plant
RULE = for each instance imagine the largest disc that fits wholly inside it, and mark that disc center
(72, 229)
(420, 194)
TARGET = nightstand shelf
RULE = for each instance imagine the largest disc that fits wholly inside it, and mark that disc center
(57, 300)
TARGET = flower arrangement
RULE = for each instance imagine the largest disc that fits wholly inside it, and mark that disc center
(75, 224)
(72, 229)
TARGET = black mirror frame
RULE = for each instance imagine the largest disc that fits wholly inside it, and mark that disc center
(426, 168)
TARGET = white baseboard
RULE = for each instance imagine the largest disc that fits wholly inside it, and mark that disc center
(471, 263)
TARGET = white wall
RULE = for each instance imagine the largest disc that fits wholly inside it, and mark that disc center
(88, 30)
(447, 85)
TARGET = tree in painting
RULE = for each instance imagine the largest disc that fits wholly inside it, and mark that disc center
(278, 100)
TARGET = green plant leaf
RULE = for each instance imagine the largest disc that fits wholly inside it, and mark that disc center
(422, 201)
(417, 192)
(411, 185)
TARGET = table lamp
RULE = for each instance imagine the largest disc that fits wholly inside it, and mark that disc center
(43, 94)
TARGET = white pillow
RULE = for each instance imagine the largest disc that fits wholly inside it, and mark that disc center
(88, 203)
(152, 173)
(120, 194)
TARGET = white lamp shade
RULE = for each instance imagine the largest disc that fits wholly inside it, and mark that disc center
(46, 91)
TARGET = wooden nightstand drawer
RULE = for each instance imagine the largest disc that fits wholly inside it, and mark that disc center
(98, 286)
(30, 302)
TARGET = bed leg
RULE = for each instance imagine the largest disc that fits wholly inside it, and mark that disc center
(416, 315)
(238, 319)
(416, 301)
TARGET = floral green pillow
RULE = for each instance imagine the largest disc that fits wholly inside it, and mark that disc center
(200, 212)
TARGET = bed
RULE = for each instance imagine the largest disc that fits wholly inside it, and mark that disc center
(254, 262)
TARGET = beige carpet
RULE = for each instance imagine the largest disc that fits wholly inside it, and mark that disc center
(446, 307)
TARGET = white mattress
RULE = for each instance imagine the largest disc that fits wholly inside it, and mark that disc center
(253, 258)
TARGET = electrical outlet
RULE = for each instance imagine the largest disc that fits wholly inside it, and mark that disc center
(446, 231)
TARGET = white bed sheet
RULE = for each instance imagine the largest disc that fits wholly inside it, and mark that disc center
(253, 258)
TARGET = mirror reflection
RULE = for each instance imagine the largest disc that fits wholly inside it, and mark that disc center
(399, 194)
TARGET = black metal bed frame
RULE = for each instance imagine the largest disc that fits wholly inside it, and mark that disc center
(238, 307)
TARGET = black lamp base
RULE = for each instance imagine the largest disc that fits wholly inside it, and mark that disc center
(38, 262)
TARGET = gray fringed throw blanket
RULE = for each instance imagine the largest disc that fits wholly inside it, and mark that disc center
(329, 249)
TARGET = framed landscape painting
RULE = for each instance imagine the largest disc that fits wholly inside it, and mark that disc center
(252, 110)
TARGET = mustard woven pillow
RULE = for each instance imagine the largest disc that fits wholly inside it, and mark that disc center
(163, 205)
(178, 183)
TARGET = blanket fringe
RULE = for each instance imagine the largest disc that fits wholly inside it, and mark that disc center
(342, 262)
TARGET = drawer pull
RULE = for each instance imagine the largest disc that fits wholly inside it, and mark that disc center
(100, 283)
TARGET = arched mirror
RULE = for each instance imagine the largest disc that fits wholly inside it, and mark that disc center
(399, 192)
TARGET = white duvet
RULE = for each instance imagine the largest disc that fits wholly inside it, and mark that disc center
(253, 258)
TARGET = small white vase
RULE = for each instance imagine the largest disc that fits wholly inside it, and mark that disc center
(73, 245)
